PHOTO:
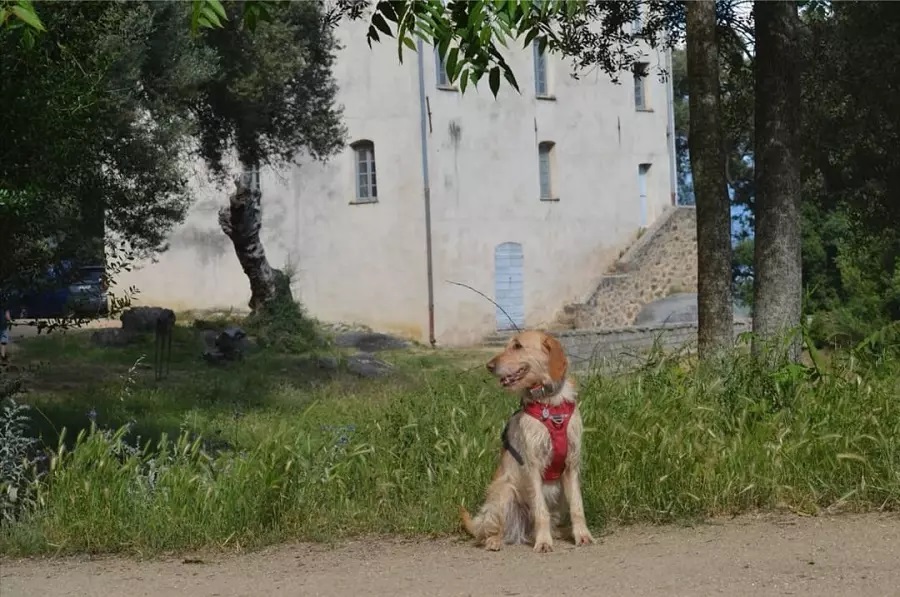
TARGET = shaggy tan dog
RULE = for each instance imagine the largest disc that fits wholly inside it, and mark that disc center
(537, 481)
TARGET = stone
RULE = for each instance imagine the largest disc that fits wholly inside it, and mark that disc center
(327, 362)
(111, 337)
(141, 320)
(232, 343)
(369, 341)
(365, 364)
(229, 345)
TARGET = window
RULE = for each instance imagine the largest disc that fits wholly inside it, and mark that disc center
(637, 24)
(540, 71)
(545, 169)
(640, 88)
(440, 71)
(366, 185)
(643, 170)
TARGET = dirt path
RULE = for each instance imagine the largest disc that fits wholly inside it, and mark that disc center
(772, 555)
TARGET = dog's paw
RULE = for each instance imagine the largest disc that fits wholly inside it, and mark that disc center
(583, 537)
(543, 545)
(493, 543)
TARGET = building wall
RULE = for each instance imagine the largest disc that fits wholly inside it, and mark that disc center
(365, 263)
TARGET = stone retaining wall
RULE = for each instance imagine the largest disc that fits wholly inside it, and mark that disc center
(599, 347)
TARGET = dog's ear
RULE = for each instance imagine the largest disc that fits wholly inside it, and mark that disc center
(557, 362)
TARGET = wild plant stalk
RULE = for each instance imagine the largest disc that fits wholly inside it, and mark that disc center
(668, 442)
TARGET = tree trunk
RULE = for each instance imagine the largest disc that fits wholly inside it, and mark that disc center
(241, 220)
(715, 309)
(778, 290)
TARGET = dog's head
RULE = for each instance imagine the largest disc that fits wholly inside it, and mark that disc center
(530, 359)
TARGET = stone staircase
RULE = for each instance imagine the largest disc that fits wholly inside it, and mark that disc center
(662, 261)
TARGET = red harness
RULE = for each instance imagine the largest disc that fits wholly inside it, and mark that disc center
(556, 419)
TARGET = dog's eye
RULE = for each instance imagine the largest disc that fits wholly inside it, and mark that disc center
(516, 346)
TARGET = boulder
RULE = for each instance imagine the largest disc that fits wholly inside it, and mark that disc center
(142, 320)
(111, 337)
(369, 341)
(231, 344)
(367, 365)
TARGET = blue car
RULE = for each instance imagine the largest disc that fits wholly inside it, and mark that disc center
(86, 297)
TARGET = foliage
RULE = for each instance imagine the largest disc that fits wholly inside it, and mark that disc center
(101, 159)
(17, 484)
(282, 324)
(127, 95)
(237, 458)
(274, 97)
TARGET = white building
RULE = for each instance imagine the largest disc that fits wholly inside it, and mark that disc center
(532, 196)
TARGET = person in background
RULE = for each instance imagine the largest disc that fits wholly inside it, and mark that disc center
(5, 319)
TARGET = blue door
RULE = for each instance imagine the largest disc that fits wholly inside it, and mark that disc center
(508, 286)
(643, 169)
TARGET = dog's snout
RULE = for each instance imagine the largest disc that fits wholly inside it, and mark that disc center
(491, 365)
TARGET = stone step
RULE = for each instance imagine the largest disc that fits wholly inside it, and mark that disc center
(496, 339)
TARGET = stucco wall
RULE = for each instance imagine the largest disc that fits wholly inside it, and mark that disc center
(366, 263)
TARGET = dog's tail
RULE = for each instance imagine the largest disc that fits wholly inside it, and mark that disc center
(467, 521)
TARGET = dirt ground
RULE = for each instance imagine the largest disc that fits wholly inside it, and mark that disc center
(855, 555)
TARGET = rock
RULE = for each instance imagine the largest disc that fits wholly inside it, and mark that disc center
(328, 363)
(366, 365)
(111, 337)
(213, 357)
(141, 320)
(232, 343)
(369, 341)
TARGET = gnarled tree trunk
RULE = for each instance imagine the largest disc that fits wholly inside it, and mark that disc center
(241, 220)
(714, 302)
(778, 290)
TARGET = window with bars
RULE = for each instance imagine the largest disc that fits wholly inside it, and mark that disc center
(640, 86)
(541, 87)
(545, 169)
(366, 183)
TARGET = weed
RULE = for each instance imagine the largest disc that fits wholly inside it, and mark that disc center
(251, 455)
(17, 475)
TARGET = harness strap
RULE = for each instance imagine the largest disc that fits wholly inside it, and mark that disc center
(504, 437)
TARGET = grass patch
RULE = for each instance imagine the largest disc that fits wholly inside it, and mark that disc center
(273, 449)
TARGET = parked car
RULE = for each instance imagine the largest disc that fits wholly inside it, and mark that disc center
(86, 297)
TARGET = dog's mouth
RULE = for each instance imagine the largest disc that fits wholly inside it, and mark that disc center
(516, 376)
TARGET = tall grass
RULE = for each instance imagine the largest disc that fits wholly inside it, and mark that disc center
(662, 444)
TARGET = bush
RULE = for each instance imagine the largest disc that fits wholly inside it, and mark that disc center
(283, 325)
(17, 478)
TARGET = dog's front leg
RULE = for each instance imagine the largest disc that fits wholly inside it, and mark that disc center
(571, 483)
(543, 540)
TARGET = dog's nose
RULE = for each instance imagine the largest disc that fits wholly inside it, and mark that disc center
(491, 365)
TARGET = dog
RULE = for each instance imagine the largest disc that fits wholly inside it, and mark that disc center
(538, 480)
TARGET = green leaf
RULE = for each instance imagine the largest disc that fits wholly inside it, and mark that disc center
(27, 16)
(372, 35)
(216, 7)
(451, 64)
(443, 45)
(379, 22)
(387, 9)
(494, 80)
(510, 77)
(463, 82)
(408, 42)
(210, 16)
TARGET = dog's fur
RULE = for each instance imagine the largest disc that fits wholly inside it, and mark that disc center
(520, 507)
